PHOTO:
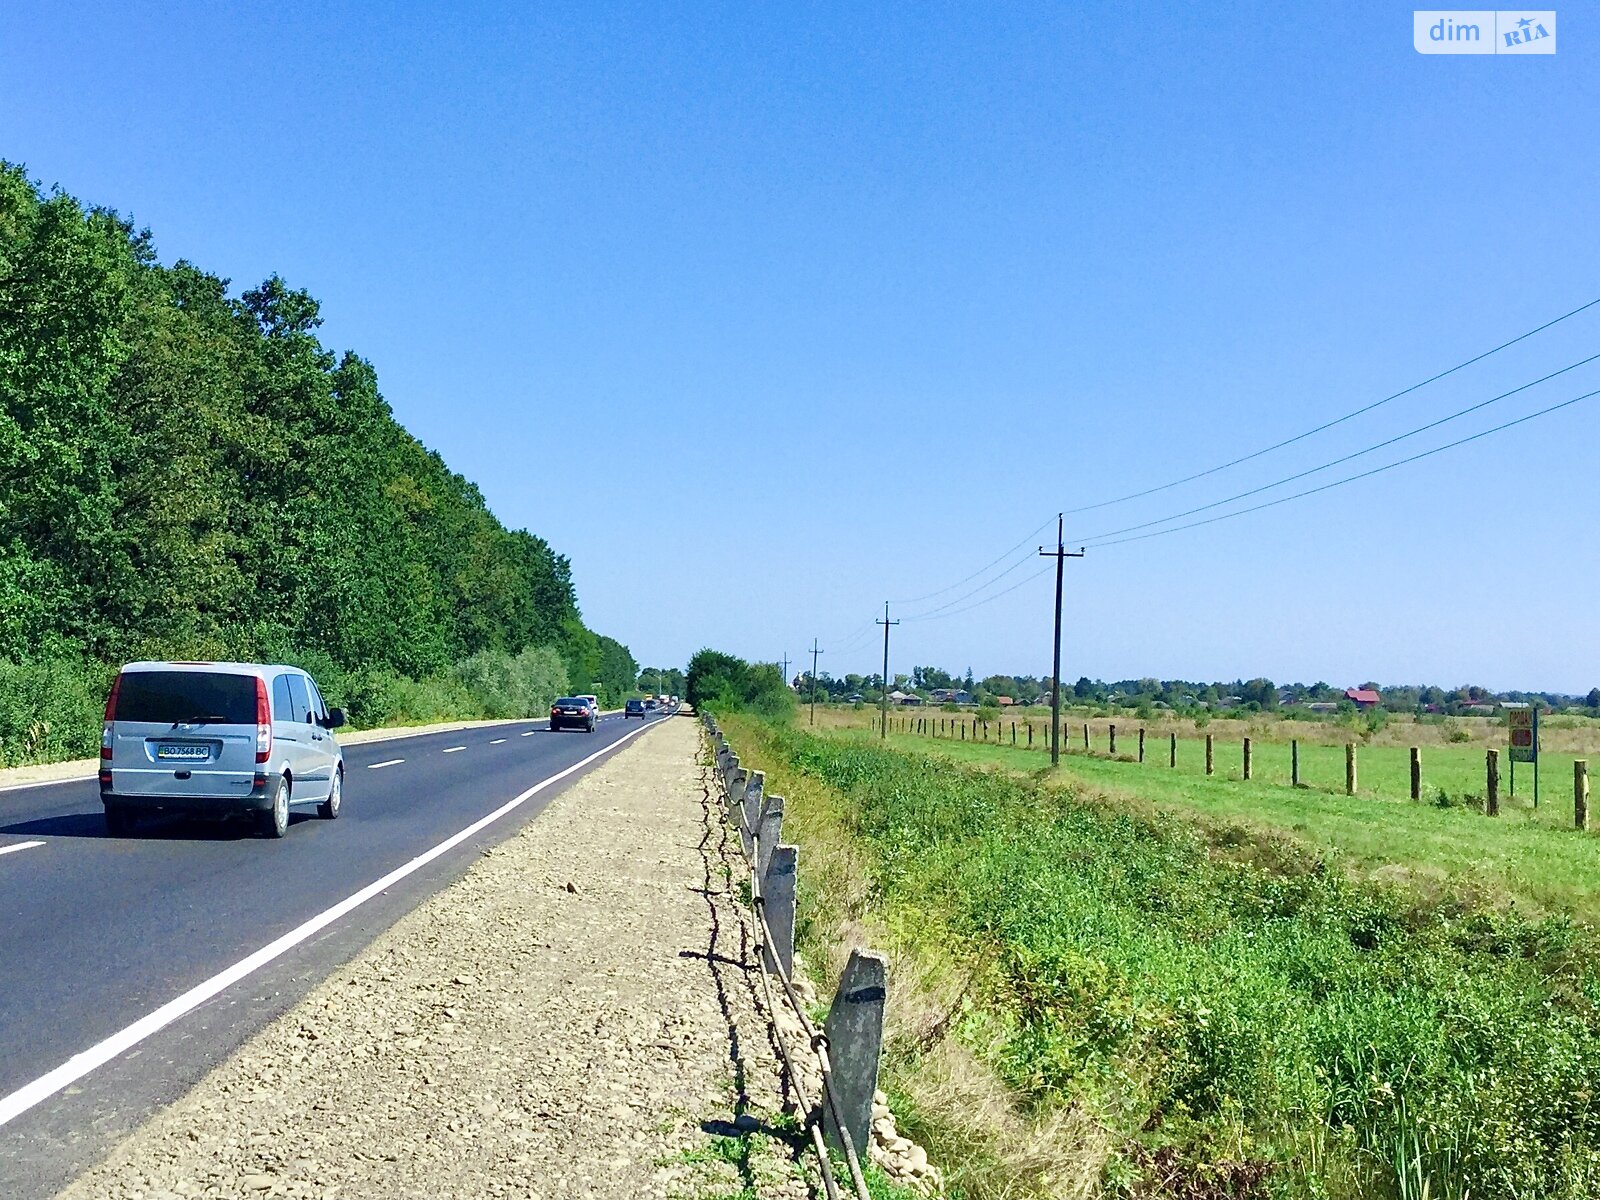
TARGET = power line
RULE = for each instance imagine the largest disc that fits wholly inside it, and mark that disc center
(986, 600)
(1299, 437)
(1351, 478)
(1033, 533)
(1337, 461)
(968, 595)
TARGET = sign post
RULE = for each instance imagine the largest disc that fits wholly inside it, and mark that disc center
(1523, 726)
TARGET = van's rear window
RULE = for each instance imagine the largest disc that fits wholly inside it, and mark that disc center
(173, 696)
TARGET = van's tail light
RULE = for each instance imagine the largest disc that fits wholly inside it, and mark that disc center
(263, 722)
(111, 715)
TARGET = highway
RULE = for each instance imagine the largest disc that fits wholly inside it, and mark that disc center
(129, 966)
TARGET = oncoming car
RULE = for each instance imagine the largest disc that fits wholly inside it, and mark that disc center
(572, 712)
(634, 708)
(218, 739)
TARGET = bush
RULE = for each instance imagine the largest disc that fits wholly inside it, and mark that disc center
(51, 710)
(504, 687)
(988, 713)
(1458, 734)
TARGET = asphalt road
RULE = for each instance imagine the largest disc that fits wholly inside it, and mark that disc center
(98, 934)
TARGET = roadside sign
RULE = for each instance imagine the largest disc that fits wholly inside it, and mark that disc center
(1524, 744)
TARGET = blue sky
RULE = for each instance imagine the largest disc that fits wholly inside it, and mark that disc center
(766, 314)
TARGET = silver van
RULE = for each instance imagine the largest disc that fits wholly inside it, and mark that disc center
(217, 738)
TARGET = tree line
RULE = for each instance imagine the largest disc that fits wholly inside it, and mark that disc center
(186, 471)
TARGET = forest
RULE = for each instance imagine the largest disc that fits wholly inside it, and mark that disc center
(188, 472)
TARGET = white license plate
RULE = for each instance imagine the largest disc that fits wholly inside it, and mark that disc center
(183, 753)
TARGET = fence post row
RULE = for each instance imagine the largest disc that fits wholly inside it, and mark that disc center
(854, 1029)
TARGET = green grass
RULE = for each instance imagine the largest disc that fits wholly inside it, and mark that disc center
(1246, 1019)
(1534, 858)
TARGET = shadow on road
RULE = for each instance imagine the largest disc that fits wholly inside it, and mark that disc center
(153, 828)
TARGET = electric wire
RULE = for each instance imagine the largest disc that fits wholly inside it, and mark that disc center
(987, 599)
(1300, 437)
(981, 570)
(1350, 478)
(1410, 433)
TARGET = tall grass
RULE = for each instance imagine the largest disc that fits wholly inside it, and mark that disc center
(1242, 1018)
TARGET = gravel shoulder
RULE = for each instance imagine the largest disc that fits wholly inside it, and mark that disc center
(577, 1016)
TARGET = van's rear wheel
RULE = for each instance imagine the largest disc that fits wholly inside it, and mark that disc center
(328, 810)
(275, 821)
(119, 821)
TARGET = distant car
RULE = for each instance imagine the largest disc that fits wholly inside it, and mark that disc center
(650, 702)
(594, 703)
(572, 712)
(218, 739)
(634, 708)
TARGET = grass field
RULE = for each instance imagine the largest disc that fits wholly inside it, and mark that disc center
(1200, 1007)
(1534, 858)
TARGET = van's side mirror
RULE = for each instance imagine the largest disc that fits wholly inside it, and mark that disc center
(335, 718)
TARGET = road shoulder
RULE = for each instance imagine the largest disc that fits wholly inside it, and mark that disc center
(575, 1016)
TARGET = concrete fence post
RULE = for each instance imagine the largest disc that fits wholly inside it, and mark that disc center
(1416, 772)
(855, 1040)
(1247, 758)
(1580, 793)
(769, 832)
(1211, 760)
(753, 802)
(777, 901)
(1350, 782)
(1491, 790)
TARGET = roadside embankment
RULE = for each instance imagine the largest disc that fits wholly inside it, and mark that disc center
(576, 1016)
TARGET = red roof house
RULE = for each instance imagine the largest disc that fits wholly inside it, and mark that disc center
(1363, 697)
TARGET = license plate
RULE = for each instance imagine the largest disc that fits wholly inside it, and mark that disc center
(183, 753)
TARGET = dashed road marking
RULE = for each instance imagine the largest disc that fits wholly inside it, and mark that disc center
(496, 741)
(19, 846)
(530, 733)
(389, 762)
(82, 1063)
(453, 749)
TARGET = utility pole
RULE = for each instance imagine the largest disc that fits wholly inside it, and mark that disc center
(1060, 555)
(814, 652)
(883, 703)
(786, 682)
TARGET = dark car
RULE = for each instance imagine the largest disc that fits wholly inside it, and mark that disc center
(635, 708)
(571, 712)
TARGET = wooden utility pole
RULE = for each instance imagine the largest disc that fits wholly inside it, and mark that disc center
(814, 653)
(883, 702)
(1060, 555)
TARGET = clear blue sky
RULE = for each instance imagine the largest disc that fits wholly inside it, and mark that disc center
(764, 314)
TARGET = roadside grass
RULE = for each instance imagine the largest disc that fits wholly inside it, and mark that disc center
(1226, 1014)
(1535, 859)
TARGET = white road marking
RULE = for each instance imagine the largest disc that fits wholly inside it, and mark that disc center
(19, 846)
(388, 762)
(496, 741)
(453, 749)
(530, 733)
(79, 1065)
